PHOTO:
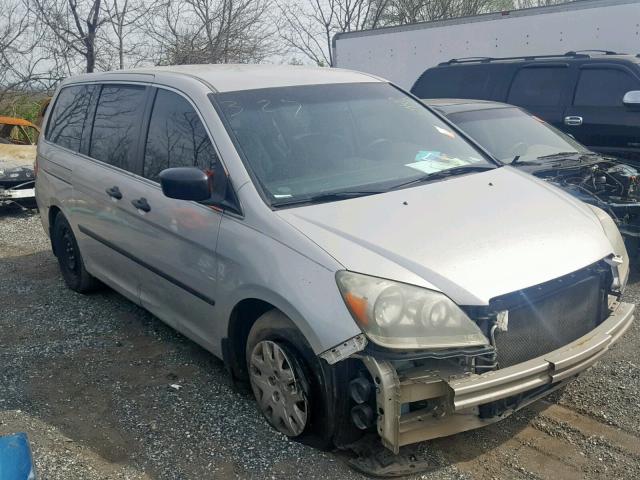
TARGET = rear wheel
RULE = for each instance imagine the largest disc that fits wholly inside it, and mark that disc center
(69, 257)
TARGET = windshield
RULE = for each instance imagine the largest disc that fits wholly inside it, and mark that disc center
(508, 133)
(307, 141)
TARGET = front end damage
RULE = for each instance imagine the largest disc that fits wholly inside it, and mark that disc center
(606, 183)
(540, 339)
(17, 176)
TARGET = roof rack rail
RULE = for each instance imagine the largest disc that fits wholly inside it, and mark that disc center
(522, 57)
(595, 50)
(470, 59)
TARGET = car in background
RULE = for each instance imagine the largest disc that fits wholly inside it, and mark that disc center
(18, 139)
(517, 138)
(592, 95)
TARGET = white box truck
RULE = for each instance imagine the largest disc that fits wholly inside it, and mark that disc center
(401, 54)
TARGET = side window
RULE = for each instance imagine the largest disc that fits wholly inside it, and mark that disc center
(68, 119)
(116, 127)
(176, 137)
(473, 81)
(539, 87)
(590, 91)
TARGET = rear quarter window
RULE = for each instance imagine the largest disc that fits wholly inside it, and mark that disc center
(68, 119)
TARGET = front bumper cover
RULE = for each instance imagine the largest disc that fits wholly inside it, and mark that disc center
(9, 195)
(526, 381)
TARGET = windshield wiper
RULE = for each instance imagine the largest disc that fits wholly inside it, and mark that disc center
(517, 160)
(449, 172)
(559, 154)
(328, 197)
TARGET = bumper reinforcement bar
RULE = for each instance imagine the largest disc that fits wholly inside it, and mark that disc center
(463, 395)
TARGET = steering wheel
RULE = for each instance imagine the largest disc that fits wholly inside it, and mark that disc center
(319, 136)
(519, 149)
(377, 148)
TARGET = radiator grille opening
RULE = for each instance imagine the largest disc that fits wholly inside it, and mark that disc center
(548, 323)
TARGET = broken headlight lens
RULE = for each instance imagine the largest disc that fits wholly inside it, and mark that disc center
(617, 243)
(16, 173)
(397, 315)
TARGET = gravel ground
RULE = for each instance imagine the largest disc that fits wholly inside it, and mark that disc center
(90, 379)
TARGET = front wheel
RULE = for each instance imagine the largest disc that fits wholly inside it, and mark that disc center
(287, 379)
(277, 383)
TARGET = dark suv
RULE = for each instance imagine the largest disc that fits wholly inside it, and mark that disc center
(595, 97)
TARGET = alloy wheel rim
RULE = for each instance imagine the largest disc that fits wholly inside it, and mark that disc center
(277, 389)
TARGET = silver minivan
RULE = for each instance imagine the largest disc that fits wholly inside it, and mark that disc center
(348, 252)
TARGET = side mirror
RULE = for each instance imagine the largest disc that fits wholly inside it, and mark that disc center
(632, 99)
(186, 183)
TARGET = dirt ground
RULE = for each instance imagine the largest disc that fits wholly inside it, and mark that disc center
(106, 391)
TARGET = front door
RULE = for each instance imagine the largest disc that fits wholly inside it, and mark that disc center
(175, 240)
(542, 89)
(598, 118)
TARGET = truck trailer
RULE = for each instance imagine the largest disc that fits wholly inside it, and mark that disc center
(400, 54)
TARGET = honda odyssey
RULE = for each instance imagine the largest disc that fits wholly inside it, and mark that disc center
(348, 252)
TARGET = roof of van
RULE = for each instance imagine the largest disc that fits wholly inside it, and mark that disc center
(233, 77)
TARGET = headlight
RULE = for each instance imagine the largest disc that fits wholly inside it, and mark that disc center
(397, 315)
(617, 243)
(16, 172)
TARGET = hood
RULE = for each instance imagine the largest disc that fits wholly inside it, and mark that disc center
(12, 156)
(473, 237)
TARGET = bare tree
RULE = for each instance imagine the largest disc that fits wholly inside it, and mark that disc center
(402, 12)
(73, 25)
(13, 29)
(536, 3)
(308, 27)
(126, 19)
(214, 31)
(24, 65)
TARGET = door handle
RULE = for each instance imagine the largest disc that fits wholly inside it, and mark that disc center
(573, 121)
(141, 204)
(114, 192)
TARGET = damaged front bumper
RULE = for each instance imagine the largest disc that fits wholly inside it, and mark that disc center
(13, 194)
(461, 403)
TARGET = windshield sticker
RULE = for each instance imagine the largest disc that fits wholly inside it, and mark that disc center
(445, 132)
(424, 155)
(436, 165)
(286, 195)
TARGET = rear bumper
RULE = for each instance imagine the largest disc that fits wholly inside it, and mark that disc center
(461, 397)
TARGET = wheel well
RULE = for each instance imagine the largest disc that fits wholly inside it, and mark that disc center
(53, 213)
(243, 316)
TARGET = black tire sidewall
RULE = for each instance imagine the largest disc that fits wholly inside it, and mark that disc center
(80, 281)
(276, 327)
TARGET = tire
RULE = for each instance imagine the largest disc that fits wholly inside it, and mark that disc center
(302, 374)
(69, 257)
